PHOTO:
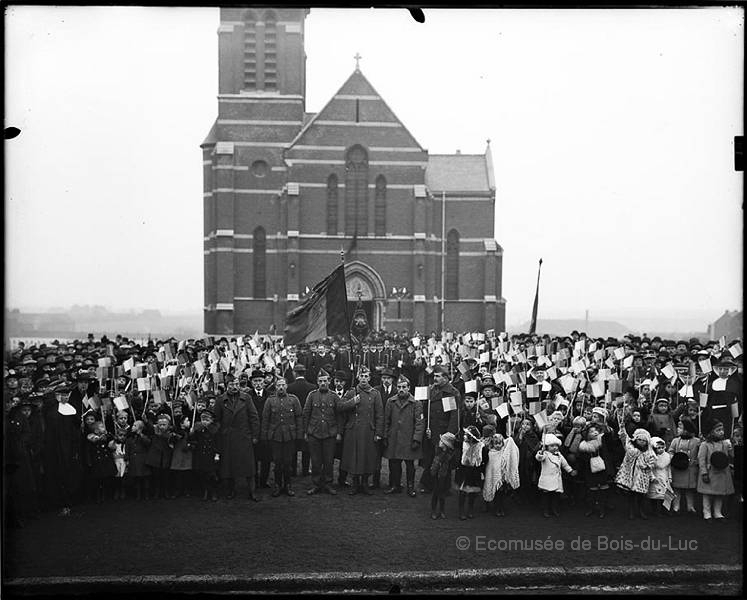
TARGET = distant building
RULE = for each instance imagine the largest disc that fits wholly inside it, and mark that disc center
(728, 325)
(285, 190)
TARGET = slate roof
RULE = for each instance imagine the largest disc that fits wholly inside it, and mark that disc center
(458, 173)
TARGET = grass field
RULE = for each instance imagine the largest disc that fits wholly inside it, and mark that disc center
(343, 533)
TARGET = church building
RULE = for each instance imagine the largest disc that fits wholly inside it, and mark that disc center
(285, 190)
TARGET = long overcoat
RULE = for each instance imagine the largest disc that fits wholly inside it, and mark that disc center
(363, 421)
(239, 425)
(403, 424)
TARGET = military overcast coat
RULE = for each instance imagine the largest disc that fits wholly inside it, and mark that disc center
(403, 424)
(239, 424)
(363, 421)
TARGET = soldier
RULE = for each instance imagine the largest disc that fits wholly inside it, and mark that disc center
(364, 427)
(322, 427)
(282, 425)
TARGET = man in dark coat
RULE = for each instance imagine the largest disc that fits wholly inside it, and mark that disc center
(239, 431)
(282, 426)
(322, 427)
(403, 436)
(438, 421)
(364, 427)
(262, 451)
(724, 390)
(386, 390)
(300, 388)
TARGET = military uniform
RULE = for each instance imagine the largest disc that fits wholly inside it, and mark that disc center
(322, 422)
(282, 425)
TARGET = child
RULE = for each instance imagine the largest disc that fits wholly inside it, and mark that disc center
(468, 476)
(661, 423)
(527, 441)
(570, 450)
(596, 468)
(159, 456)
(738, 445)
(684, 453)
(441, 474)
(661, 478)
(634, 421)
(634, 475)
(136, 451)
(551, 479)
(714, 456)
(120, 463)
(468, 415)
(501, 460)
(181, 458)
(205, 454)
(100, 455)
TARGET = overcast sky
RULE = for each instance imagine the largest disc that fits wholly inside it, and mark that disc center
(611, 133)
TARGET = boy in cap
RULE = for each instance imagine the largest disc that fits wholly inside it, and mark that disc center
(440, 472)
(205, 456)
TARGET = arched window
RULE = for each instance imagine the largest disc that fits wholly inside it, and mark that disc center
(380, 206)
(332, 204)
(270, 63)
(356, 191)
(259, 251)
(250, 50)
(452, 265)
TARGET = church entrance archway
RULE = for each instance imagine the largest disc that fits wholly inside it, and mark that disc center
(362, 279)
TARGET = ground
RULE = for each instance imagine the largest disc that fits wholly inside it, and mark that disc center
(347, 533)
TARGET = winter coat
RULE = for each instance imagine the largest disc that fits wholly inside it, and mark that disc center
(441, 468)
(403, 424)
(360, 454)
(101, 457)
(721, 482)
(239, 425)
(635, 471)
(181, 458)
(528, 467)
(136, 451)
(663, 426)
(685, 478)
(439, 422)
(160, 450)
(62, 464)
(203, 441)
(321, 416)
(588, 449)
(282, 419)
(501, 469)
(551, 476)
(661, 477)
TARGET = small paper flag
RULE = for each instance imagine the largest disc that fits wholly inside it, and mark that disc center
(616, 386)
(470, 386)
(449, 403)
(540, 418)
(535, 407)
(735, 350)
(597, 388)
(668, 371)
(734, 410)
(421, 393)
(703, 397)
(628, 362)
(533, 391)
(121, 403)
(705, 365)
(143, 384)
(502, 410)
(516, 398)
(619, 353)
(496, 401)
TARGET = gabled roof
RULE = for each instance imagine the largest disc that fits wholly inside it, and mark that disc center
(459, 173)
(355, 85)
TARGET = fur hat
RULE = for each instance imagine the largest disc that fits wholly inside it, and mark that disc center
(657, 441)
(488, 430)
(551, 440)
(689, 426)
(471, 434)
(642, 434)
(602, 412)
(580, 421)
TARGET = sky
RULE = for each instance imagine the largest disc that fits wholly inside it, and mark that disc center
(611, 134)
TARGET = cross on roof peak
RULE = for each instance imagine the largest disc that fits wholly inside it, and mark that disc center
(357, 58)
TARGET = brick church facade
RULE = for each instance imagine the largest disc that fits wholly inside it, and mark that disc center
(286, 190)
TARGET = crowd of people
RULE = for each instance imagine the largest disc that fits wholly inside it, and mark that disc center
(543, 418)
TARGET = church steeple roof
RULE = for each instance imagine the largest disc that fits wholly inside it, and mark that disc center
(358, 102)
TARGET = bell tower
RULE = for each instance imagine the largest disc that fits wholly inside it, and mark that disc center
(262, 50)
(261, 108)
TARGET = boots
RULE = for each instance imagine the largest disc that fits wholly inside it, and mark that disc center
(411, 488)
(442, 508)
(356, 486)
(288, 489)
(707, 507)
(231, 493)
(434, 503)
(640, 501)
(462, 498)
(591, 503)
(555, 504)
(364, 486)
(602, 500)
(395, 489)
(376, 480)
(498, 505)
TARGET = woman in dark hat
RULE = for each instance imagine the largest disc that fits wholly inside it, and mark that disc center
(715, 481)
(684, 452)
